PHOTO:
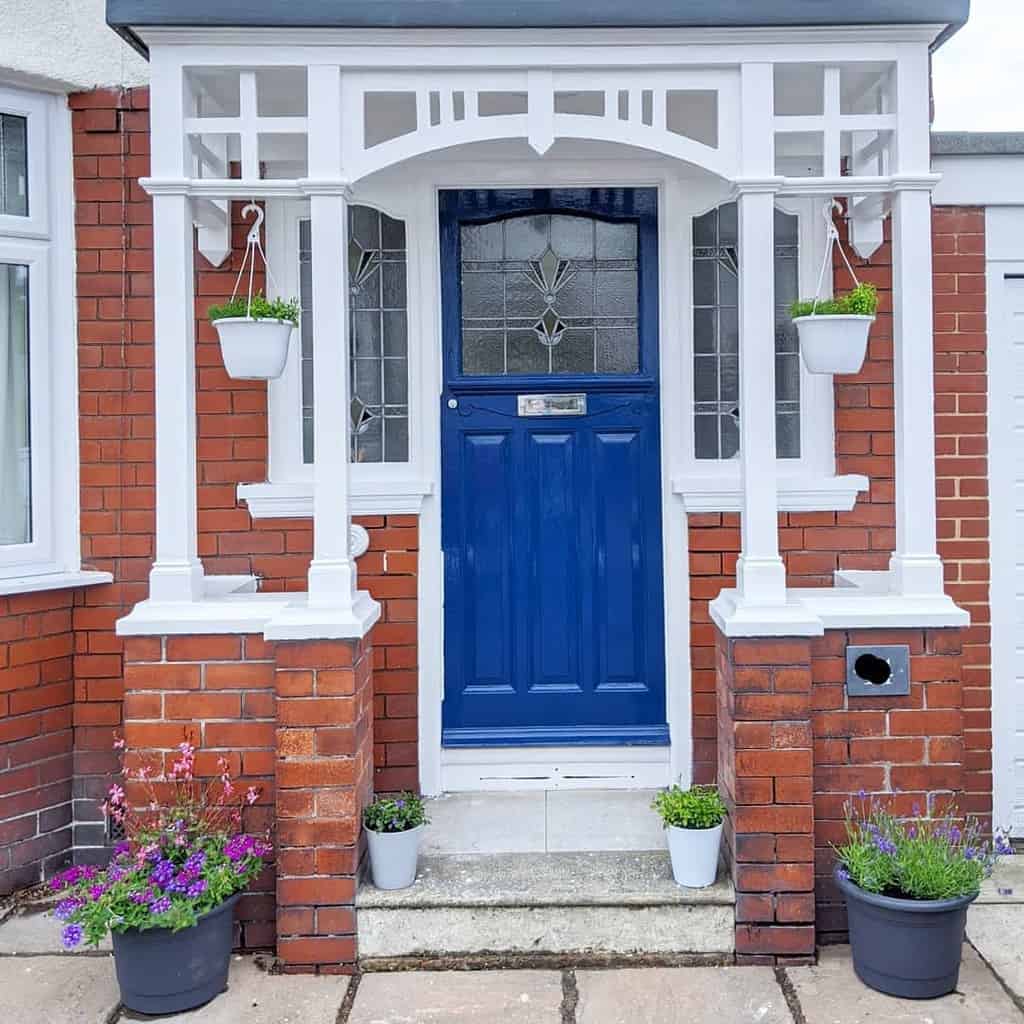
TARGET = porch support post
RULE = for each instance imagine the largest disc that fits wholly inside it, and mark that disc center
(915, 565)
(177, 573)
(760, 574)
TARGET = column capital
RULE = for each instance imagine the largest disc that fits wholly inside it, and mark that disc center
(752, 186)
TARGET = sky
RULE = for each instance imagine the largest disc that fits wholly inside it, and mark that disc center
(978, 75)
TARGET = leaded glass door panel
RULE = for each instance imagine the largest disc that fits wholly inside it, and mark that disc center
(551, 516)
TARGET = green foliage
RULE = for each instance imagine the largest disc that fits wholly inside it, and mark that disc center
(862, 301)
(697, 807)
(395, 813)
(937, 858)
(261, 309)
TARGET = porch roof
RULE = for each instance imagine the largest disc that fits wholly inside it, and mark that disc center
(127, 15)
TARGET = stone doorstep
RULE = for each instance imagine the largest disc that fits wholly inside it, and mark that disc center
(578, 904)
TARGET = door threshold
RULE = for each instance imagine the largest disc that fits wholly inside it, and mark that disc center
(475, 769)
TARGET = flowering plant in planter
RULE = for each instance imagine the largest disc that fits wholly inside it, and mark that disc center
(693, 827)
(908, 884)
(183, 862)
(393, 826)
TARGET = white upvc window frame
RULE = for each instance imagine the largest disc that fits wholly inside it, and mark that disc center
(44, 241)
(378, 488)
(806, 483)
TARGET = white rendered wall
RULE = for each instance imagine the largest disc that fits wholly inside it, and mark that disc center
(64, 45)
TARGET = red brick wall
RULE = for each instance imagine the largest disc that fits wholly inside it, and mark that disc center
(36, 700)
(909, 748)
(218, 693)
(962, 471)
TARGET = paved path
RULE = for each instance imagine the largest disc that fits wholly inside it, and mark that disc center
(39, 984)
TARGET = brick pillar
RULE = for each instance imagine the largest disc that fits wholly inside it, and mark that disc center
(324, 780)
(765, 769)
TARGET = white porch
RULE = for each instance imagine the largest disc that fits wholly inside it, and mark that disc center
(767, 118)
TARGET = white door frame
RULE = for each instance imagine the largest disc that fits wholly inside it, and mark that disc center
(678, 196)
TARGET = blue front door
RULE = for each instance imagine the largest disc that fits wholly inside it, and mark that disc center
(551, 516)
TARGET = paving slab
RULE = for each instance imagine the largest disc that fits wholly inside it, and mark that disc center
(830, 993)
(729, 995)
(37, 931)
(602, 820)
(57, 989)
(255, 997)
(485, 823)
(459, 997)
(1006, 885)
(997, 933)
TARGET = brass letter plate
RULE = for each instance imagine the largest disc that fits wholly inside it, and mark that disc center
(552, 405)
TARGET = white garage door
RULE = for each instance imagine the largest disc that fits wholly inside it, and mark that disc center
(1007, 434)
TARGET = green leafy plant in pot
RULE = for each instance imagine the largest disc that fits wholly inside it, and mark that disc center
(693, 828)
(834, 332)
(908, 884)
(254, 335)
(394, 825)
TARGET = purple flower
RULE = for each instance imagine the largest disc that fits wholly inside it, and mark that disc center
(96, 891)
(884, 845)
(66, 908)
(843, 874)
(162, 874)
(144, 896)
(196, 862)
(1003, 847)
(237, 847)
(122, 848)
(970, 853)
(954, 834)
(115, 874)
(71, 936)
(160, 906)
(196, 889)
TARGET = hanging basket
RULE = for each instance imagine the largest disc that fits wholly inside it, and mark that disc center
(254, 349)
(833, 343)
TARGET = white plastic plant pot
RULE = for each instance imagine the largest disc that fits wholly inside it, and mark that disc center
(694, 853)
(834, 343)
(254, 349)
(393, 857)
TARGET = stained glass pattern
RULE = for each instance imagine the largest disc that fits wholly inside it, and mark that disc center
(378, 337)
(716, 408)
(549, 294)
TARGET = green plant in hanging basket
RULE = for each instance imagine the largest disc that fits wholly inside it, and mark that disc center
(861, 301)
(260, 308)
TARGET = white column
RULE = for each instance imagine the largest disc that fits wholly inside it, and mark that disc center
(332, 574)
(177, 573)
(760, 574)
(915, 566)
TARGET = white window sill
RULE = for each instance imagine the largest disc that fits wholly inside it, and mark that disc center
(796, 494)
(53, 581)
(369, 498)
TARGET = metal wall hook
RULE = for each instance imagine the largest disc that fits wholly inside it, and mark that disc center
(253, 237)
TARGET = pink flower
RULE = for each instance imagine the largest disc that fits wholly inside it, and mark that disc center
(252, 794)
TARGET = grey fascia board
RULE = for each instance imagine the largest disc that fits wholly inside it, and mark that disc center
(977, 143)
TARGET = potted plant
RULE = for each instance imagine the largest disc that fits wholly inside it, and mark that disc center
(169, 892)
(907, 886)
(693, 826)
(393, 827)
(254, 335)
(834, 332)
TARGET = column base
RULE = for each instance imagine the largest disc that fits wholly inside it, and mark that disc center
(177, 581)
(737, 616)
(303, 620)
(916, 575)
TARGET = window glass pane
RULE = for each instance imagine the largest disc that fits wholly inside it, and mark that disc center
(13, 165)
(549, 294)
(716, 335)
(15, 442)
(378, 335)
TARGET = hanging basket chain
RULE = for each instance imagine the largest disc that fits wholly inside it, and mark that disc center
(253, 245)
(832, 240)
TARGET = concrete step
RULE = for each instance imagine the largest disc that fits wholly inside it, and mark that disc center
(541, 904)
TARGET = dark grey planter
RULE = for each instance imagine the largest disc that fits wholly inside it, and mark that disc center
(161, 971)
(908, 948)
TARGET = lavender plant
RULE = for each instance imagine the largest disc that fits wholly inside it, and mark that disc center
(395, 814)
(934, 858)
(183, 857)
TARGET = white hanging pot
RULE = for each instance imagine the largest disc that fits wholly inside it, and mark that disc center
(254, 349)
(694, 854)
(834, 342)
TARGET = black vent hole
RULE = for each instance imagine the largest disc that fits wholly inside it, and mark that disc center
(873, 669)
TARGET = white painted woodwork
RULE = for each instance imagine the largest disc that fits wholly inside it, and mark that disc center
(915, 564)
